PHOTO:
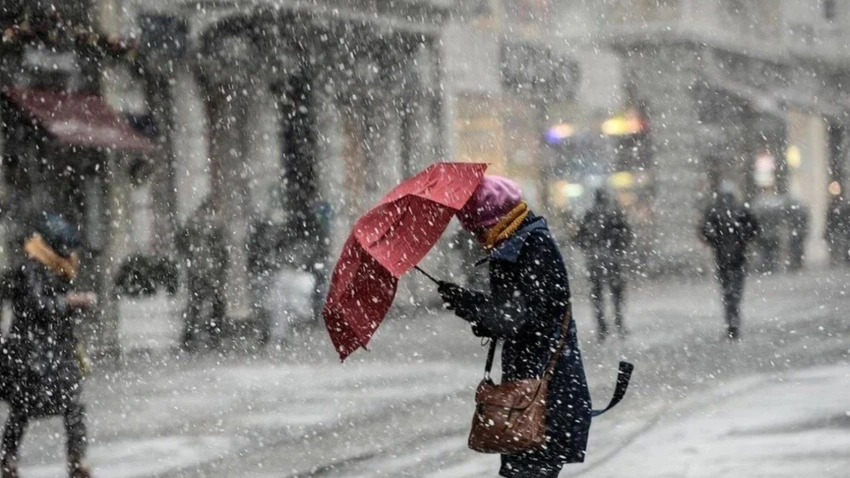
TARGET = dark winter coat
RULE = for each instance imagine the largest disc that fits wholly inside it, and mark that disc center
(203, 247)
(40, 352)
(728, 227)
(605, 236)
(529, 293)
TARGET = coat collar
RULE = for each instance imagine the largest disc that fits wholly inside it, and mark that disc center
(510, 249)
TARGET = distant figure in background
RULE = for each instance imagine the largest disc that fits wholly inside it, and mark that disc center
(319, 267)
(769, 209)
(264, 262)
(605, 237)
(728, 227)
(202, 245)
(838, 230)
(42, 357)
(798, 222)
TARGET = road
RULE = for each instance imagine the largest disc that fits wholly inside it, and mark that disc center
(698, 405)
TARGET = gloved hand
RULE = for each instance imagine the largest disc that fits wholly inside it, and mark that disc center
(451, 294)
(462, 301)
(479, 331)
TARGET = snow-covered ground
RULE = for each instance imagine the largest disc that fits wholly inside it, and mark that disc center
(773, 405)
(792, 425)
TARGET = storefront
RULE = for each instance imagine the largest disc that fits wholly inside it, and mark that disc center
(296, 120)
(612, 152)
(66, 150)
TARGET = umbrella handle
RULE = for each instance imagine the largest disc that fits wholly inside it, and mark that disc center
(427, 275)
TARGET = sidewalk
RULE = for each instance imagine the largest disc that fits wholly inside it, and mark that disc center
(162, 414)
(788, 426)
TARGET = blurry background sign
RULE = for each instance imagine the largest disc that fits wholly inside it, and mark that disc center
(765, 170)
(626, 123)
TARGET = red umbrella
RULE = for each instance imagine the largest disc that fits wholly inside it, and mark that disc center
(388, 241)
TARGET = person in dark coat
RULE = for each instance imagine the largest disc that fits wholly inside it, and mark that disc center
(768, 209)
(728, 227)
(529, 295)
(201, 243)
(43, 352)
(797, 216)
(605, 236)
(837, 232)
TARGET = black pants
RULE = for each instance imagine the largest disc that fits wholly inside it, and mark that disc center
(529, 470)
(732, 285)
(75, 430)
(610, 275)
(796, 251)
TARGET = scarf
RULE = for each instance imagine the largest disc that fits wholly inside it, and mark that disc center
(37, 249)
(506, 226)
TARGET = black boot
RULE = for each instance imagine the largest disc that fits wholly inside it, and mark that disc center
(9, 468)
(77, 468)
(732, 333)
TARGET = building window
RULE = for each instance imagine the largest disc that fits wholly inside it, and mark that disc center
(829, 7)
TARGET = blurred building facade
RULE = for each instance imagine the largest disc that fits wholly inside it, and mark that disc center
(297, 115)
(505, 69)
(67, 145)
(750, 96)
(291, 114)
(300, 114)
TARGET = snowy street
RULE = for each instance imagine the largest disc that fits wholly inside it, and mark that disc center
(262, 223)
(698, 406)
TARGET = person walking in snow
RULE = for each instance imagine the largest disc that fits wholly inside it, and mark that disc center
(529, 297)
(43, 355)
(728, 227)
(201, 242)
(605, 236)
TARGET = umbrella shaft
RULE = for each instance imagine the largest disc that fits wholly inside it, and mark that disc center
(426, 274)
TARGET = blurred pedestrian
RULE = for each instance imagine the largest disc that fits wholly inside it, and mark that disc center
(837, 233)
(728, 227)
(44, 357)
(528, 299)
(264, 260)
(320, 229)
(798, 231)
(201, 242)
(769, 210)
(605, 236)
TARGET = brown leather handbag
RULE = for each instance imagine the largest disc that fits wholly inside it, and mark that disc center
(511, 417)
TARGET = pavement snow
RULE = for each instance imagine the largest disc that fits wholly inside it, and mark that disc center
(789, 426)
(774, 405)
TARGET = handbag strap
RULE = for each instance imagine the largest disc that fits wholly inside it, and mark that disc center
(624, 374)
(547, 373)
(565, 328)
(490, 355)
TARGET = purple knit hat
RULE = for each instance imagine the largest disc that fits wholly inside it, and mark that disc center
(494, 197)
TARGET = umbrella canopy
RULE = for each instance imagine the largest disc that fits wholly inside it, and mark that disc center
(388, 241)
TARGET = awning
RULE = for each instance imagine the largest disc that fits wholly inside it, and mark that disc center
(78, 119)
